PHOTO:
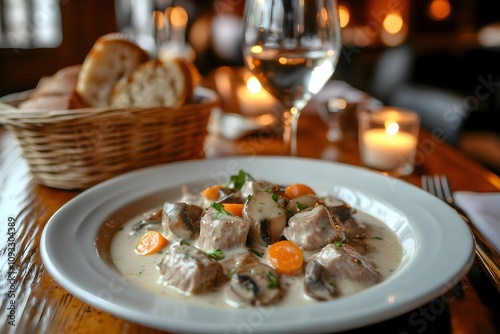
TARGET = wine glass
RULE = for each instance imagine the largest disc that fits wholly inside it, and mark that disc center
(292, 47)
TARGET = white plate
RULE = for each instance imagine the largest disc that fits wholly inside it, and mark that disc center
(438, 246)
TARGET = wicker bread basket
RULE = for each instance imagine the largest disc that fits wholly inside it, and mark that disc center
(78, 148)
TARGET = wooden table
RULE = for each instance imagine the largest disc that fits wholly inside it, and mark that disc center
(32, 302)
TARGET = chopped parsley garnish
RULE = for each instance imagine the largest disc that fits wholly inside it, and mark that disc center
(237, 181)
(220, 209)
(274, 282)
(378, 238)
(256, 252)
(216, 254)
(301, 206)
(230, 273)
(338, 244)
(275, 197)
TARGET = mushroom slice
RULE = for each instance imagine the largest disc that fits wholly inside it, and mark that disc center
(318, 283)
(253, 283)
(251, 187)
(182, 219)
(229, 195)
(245, 289)
(303, 202)
(267, 218)
(149, 219)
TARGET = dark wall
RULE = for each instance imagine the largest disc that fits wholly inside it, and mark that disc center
(82, 23)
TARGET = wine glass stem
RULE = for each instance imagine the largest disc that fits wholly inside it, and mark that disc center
(290, 121)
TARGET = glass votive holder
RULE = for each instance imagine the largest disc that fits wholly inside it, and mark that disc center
(388, 139)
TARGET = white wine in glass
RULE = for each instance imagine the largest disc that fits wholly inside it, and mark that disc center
(292, 47)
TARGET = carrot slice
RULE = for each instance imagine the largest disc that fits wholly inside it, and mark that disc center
(150, 243)
(298, 189)
(236, 209)
(286, 257)
(211, 193)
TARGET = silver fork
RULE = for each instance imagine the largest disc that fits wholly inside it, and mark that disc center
(486, 256)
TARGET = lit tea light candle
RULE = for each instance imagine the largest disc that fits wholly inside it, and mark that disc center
(386, 146)
(254, 99)
(385, 149)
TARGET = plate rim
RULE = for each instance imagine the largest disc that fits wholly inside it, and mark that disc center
(115, 185)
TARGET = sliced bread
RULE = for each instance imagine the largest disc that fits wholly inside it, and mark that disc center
(155, 83)
(113, 57)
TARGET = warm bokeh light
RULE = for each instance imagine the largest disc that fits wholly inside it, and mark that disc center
(336, 104)
(344, 16)
(394, 29)
(158, 19)
(256, 49)
(393, 22)
(323, 17)
(439, 9)
(200, 34)
(178, 17)
(253, 85)
(265, 119)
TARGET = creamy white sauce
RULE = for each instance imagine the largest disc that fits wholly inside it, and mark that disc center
(384, 250)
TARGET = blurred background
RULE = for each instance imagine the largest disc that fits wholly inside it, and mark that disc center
(438, 57)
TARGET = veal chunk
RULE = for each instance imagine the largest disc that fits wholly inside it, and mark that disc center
(189, 270)
(224, 232)
(313, 229)
(343, 261)
(355, 229)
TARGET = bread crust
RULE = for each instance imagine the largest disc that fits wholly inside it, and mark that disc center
(156, 83)
(112, 58)
(63, 82)
(53, 102)
(116, 73)
(56, 92)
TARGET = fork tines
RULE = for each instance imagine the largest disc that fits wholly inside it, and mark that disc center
(437, 185)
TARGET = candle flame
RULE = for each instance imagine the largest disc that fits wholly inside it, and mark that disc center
(253, 85)
(391, 128)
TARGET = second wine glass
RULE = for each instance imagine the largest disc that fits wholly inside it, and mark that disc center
(292, 47)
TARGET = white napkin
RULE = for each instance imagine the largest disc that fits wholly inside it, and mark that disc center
(483, 210)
